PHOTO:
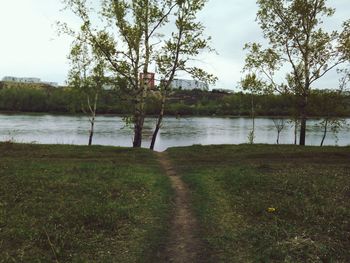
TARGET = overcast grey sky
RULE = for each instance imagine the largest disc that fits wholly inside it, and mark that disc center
(30, 47)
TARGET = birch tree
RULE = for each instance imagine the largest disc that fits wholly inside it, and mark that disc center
(254, 86)
(279, 125)
(87, 78)
(185, 45)
(129, 35)
(296, 41)
(331, 106)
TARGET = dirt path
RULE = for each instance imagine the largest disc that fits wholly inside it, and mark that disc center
(183, 244)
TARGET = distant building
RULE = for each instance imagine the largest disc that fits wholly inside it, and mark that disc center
(225, 91)
(28, 80)
(22, 80)
(186, 84)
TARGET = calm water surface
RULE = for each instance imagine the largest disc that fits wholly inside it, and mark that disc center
(111, 130)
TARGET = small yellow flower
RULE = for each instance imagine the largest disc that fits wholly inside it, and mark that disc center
(271, 209)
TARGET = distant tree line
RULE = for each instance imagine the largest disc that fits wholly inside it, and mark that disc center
(45, 99)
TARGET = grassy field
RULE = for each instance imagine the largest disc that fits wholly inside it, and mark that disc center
(258, 203)
(81, 204)
(254, 203)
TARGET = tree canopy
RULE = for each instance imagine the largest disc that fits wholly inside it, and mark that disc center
(131, 36)
(297, 44)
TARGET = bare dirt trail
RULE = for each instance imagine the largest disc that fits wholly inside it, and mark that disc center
(183, 245)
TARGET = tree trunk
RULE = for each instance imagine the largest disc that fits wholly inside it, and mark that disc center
(303, 121)
(306, 88)
(302, 131)
(159, 121)
(253, 118)
(155, 133)
(324, 132)
(144, 82)
(295, 131)
(91, 131)
(93, 116)
(253, 113)
(139, 119)
(278, 137)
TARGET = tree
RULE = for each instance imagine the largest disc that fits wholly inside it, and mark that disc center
(294, 121)
(87, 78)
(297, 41)
(279, 125)
(181, 48)
(345, 48)
(254, 86)
(345, 79)
(130, 41)
(331, 105)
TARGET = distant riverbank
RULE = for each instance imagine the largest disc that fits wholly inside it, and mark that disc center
(45, 99)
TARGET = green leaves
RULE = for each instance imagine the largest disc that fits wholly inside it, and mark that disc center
(250, 82)
(344, 46)
(128, 40)
(297, 42)
(131, 40)
(185, 44)
(261, 66)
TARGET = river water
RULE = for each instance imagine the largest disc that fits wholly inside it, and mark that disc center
(111, 130)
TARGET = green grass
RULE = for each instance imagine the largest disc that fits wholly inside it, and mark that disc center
(109, 204)
(234, 186)
(81, 204)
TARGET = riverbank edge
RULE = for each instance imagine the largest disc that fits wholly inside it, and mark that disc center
(30, 113)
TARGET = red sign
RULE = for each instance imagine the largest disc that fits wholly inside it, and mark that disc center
(148, 79)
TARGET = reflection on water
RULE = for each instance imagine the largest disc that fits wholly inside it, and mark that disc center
(111, 130)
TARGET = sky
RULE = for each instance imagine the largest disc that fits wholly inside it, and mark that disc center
(31, 47)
